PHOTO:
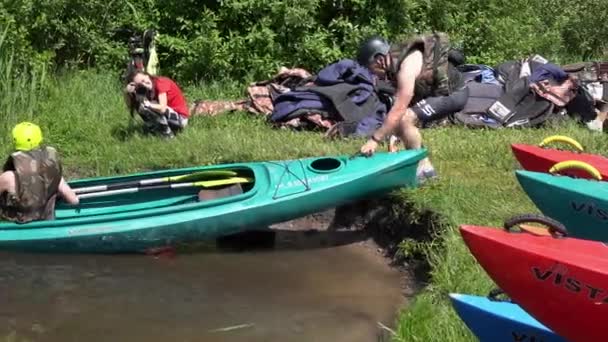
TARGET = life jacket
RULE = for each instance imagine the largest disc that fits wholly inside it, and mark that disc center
(533, 90)
(519, 107)
(508, 73)
(438, 76)
(481, 97)
(37, 175)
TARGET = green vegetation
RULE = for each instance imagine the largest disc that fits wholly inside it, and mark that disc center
(214, 50)
(84, 116)
(250, 39)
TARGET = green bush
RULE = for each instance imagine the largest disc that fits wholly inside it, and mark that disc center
(20, 87)
(250, 39)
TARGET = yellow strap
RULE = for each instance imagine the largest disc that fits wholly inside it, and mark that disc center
(578, 165)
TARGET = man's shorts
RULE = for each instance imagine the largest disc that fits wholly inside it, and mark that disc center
(439, 107)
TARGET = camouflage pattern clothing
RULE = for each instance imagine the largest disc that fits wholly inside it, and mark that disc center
(215, 107)
(437, 77)
(37, 174)
(594, 77)
(588, 71)
(260, 95)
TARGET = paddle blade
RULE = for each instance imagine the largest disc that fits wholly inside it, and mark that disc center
(219, 182)
(208, 174)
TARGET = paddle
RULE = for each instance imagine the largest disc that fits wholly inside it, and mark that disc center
(205, 184)
(145, 182)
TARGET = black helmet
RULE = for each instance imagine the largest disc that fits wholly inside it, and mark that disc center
(370, 48)
(456, 57)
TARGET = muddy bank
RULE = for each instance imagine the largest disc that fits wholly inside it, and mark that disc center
(374, 228)
(379, 226)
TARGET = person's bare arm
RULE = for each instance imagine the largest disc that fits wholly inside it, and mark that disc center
(67, 193)
(161, 106)
(7, 182)
(406, 78)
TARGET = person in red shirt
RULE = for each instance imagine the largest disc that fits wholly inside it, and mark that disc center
(159, 102)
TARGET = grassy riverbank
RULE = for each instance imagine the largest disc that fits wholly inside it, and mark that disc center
(478, 187)
(84, 117)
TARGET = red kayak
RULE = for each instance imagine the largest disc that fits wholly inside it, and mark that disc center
(560, 281)
(540, 159)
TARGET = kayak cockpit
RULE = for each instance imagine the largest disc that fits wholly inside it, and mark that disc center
(168, 195)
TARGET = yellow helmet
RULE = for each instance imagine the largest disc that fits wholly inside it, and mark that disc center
(26, 136)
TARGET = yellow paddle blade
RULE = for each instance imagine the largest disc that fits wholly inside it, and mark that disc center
(202, 175)
(578, 165)
(562, 139)
(227, 181)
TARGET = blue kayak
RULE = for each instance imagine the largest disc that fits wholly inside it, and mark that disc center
(497, 321)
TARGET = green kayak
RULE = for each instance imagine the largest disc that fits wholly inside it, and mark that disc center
(269, 192)
(579, 204)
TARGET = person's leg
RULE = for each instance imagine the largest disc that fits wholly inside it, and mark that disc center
(409, 133)
(155, 122)
(427, 110)
(598, 124)
(175, 120)
(165, 124)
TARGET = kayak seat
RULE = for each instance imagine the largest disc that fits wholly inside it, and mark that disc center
(220, 192)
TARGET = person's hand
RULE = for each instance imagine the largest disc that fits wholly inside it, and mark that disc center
(146, 104)
(131, 87)
(369, 148)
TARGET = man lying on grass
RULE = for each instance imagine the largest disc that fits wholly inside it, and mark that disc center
(31, 179)
(159, 101)
(424, 77)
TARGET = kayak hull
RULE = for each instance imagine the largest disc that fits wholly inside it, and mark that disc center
(561, 282)
(282, 190)
(495, 321)
(579, 204)
(539, 159)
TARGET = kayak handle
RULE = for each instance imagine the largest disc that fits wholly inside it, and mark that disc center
(563, 139)
(576, 165)
(554, 227)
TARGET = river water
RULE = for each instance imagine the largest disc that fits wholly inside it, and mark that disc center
(310, 287)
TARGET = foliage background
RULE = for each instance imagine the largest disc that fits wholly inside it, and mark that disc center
(208, 40)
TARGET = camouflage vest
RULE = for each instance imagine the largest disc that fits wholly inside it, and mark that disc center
(588, 71)
(37, 174)
(437, 77)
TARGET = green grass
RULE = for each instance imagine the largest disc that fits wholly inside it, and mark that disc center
(477, 186)
(19, 85)
(83, 115)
